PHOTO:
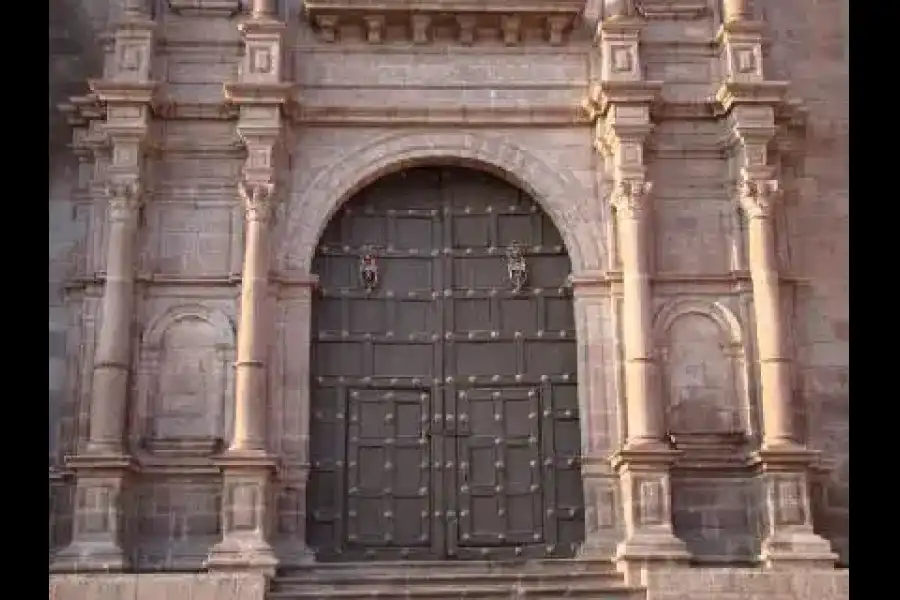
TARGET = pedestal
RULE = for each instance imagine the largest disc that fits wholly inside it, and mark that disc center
(788, 537)
(646, 495)
(98, 524)
(246, 515)
(602, 527)
(291, 545)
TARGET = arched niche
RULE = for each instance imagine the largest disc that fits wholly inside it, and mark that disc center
(567, 199)
(185, 382)
(703, 372)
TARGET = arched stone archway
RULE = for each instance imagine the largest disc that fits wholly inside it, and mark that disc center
(444, 401)
(571, 203)
(565, 195)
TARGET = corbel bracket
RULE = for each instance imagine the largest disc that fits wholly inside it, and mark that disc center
(601, 96)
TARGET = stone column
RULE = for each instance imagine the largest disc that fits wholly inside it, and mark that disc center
(631, 199)
(645, 460)
(250, 368)
(247, 466)
(620, 104)
(102, 466)
(757, 199)
(112, 361)
(783, 465)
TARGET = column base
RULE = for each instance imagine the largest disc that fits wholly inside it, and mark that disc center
(244, 553)
(649, 540)
(797, 549)
(297, 555)
(601, 510)
(646, 551)
(98, 519)
(82, 556)
(790, 541)
(246, 515)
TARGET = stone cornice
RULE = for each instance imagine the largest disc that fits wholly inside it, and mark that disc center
(477, 116)
(585, 285)
(81, 110)
(202, 8)
(89, 108)
(734, 93)
(601, 96)
(314, 7)
(786, 459)
(98, 462)
(469, 20)
(672, 9)
(243, 92)
(755, 29)
(126, 92)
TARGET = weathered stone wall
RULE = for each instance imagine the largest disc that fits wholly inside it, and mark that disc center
(693, 584)
(74, 55)
(811, 49)
(152, 587)
(192, 236)
(747, 584)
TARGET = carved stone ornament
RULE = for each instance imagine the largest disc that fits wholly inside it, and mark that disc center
(758, 196)
(257, 199)
(630, 196)
(458, 20)
(368, 271)
(516, 267)
(124, 198)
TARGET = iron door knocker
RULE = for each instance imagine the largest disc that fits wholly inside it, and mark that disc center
(368, 271)
(516, 267)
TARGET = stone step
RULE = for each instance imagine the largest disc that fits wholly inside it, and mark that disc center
(357, 570)
(482, 580)
(369, 578)
(462, 591)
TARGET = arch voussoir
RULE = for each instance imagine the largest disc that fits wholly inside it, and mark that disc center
(558, 192)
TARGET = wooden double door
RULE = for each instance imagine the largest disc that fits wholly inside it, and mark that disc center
(444, 413)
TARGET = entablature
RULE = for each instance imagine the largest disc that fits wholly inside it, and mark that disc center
(462, 21)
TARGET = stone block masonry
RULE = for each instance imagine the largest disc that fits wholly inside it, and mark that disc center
(692, 155)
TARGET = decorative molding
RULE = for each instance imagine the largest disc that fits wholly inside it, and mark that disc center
(631, 197)
(205, 8)
(470, 21)
(732, 93)
(672, 9)
(604, 94)
(414, 115)
(258, 198)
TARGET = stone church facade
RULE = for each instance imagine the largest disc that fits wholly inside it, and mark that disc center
(530, 299)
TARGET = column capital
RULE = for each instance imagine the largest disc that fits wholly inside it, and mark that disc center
(631, 197)
(757, 197)
(125, 198)
(258, 198)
